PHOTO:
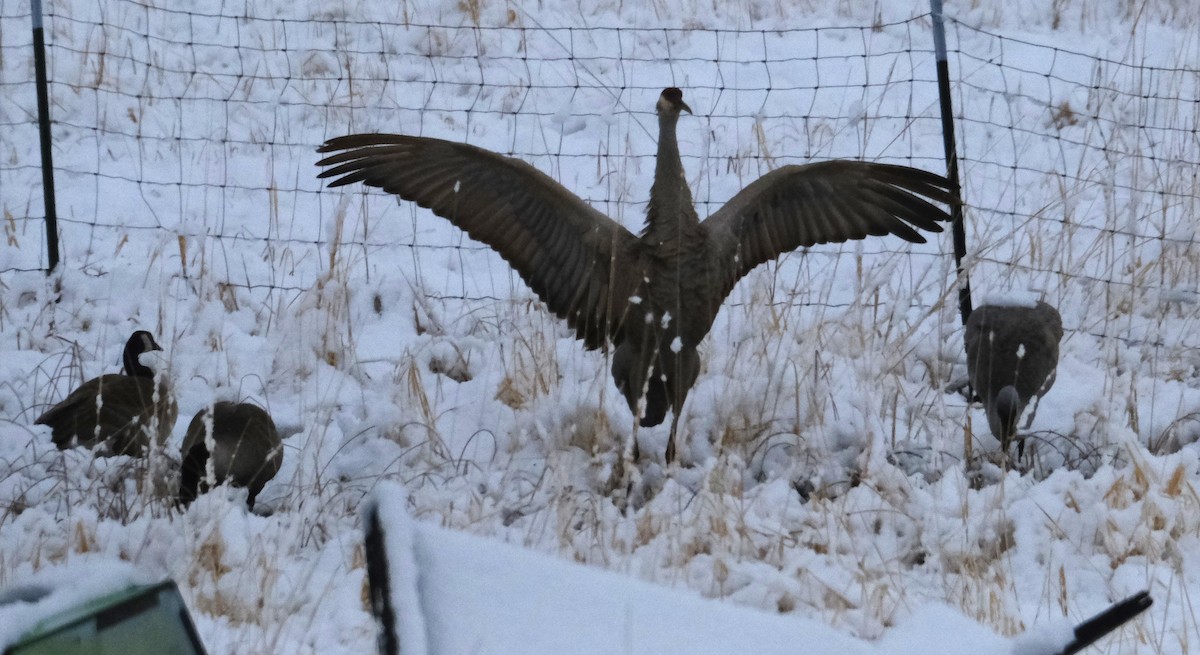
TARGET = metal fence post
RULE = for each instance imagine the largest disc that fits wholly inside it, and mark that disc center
(43, 102)
(956, 212)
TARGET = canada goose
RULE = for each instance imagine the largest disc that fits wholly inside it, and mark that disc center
(1012, 354)
(656, 295)
(246, 450)
(116, 411)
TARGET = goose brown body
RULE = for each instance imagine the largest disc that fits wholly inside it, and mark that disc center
(653, 296)
(245, 450)
(118, 414)
(1012, 358)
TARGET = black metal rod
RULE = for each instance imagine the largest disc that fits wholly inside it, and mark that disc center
(387, 641)
(956, 211)
(1091, 630)
(43, 102)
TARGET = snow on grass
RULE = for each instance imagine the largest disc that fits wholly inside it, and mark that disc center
(825, 468)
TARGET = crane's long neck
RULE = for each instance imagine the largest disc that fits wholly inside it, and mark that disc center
(670, 209)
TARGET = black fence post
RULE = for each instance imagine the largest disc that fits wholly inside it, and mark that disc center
(43, 101)
(379, 580)
(956, 212)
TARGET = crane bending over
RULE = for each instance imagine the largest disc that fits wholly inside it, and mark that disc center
(1012, 358)
(654, 296)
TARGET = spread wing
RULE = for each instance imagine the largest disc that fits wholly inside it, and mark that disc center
(581, 263)
(824, 202)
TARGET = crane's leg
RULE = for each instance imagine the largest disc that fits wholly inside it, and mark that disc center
(1032, 412)
(671, 438)
(687, 369)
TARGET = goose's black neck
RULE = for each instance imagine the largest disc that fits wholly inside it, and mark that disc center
(139, 343)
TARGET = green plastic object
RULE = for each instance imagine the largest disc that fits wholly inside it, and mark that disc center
(144, 620)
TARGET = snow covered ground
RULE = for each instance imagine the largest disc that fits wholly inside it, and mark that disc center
(824, 468)
(456, 593)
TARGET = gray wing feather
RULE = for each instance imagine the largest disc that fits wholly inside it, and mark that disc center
(577, 260)
(826, 202)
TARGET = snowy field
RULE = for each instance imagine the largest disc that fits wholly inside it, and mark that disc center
(824, 467)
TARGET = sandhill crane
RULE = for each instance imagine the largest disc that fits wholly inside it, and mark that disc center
(121, 412)
(653, 296)
(1012, 356)
(245, 450)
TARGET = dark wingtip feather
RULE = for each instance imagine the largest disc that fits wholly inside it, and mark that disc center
(356, 141)
(905, 231)
(356, 164)
(359, 140)
(926, 183)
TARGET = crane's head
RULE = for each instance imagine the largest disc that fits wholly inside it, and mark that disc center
(671, 101)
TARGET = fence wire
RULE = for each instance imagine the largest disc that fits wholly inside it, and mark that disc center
(1081, 173)
(188, 139)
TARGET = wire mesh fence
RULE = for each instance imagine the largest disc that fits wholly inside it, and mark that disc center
(187, 139)
(185, 147)
(1081, 173)
(182, 133)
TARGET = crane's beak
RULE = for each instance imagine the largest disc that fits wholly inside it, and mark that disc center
(683, 106)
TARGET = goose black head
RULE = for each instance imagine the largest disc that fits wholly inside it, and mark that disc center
(139, 342)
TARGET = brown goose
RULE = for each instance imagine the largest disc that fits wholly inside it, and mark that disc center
(656, 295)
(245, 450)
(120, 412)
(1012, 356)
